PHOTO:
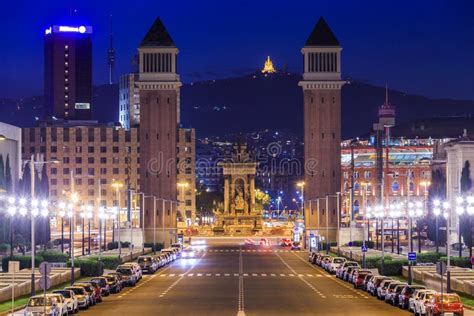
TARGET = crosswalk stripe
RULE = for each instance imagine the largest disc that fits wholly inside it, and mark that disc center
(199, 274)
(273, 274)
(281, 274)
(208, 274)
(190, 274)
(162, 275)
(310, 275)
(246, 274)
(291, 275)
(227, 274)
(236, 274)
(254, 274)
(218, 274)
(264, 274)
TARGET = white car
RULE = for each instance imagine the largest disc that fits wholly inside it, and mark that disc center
(60, 302)
(334, 263)
(83, 299)
(188, 253)
(36, 306)
(420, 307)
(171, 251)
(340, 270)
(71, 300)
(381, 290)
(137, 270)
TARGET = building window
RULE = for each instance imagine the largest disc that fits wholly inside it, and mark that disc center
(115, 170)
(90, 171)
(78, 149)
(103, 170)
(90, 192)
(65, 181)
(115, 160)
(54, 149)
(79, 181)
(78, 135)
(395, 187)
(90, 134)
(54, 181)
(188, 203)
(103, 181)
(115, 136)
(65, 170)
(78, 170)
(90, 160)
(90, 181)
(78, 159)
(54, 171)
(103, 149)
(103, 160)
(103, 134)
(115, 150)
(90, 149)
(65, 160)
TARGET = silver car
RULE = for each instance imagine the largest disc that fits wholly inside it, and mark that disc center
(37, 305)
(70, 299)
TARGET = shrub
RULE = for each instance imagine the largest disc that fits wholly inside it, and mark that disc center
(427, 257)
(4, 248)
(392, 267)
(54, 256)
(158, 246)
(373, 262)
(360, 243)
(331, 244)
(114, 245)
(25, 261)
(109, 262)
(463, 262)
(89, 268)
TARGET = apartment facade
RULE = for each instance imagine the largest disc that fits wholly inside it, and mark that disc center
(186, 175)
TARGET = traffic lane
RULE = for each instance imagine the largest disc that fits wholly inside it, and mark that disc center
(271, 288)
(200, 295)
(339, 292)
(217, 262)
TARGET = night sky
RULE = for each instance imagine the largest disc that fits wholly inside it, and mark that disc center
(422, 47)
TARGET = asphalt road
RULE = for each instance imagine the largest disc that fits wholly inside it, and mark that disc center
(227, 280)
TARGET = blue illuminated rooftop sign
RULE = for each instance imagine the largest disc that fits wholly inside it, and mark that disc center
(82, 29)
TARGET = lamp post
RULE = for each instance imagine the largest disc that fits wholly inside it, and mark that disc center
(117, 186)
(61, 214)
(437, 213)
(301, 184)
(89, 217)
(32, 164)
(34, 207)
(83, 215)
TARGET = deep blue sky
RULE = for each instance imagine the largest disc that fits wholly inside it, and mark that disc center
(423, 47)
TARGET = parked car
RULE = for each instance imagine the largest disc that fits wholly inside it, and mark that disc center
(90, 293)
(148, 264)
(113, 282)
(171, 252)
(359, 277)
(70, 300)
(382, 288)
(128, 276)
(345, 265)
(396, 294)
(374, 283)
(177, 245)
(417, 298)
(37, 303)
(83, 298)
(96, 290)
(103, 284)
(285, 242)
(444, 303)
(135, 268)
(407, 293)
(348, 272)
(390, 291)
(420, 305)
(334, 263)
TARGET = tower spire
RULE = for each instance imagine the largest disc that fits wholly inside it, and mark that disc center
(111, 52)
(386, 94)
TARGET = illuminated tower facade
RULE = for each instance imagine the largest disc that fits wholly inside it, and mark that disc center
(68, 72)
(322, 129)
(159, 89)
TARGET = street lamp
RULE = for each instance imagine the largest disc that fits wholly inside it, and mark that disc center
(117, 186)
(437, 213)
(301, 184)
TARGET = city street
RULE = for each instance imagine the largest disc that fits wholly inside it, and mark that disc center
(225, 279)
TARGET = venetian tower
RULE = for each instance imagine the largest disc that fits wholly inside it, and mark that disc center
(322, 129)
(159, 86)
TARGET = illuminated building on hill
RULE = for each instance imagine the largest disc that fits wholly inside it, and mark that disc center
(268, 68)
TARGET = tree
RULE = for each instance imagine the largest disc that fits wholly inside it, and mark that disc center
(436, 191)
(2, 174)
(42, 224)
(8, 176)
(262, 199)
(465, 226)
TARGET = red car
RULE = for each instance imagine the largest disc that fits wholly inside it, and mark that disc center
(359, 277)
(451, 304)
(264, 242)
(285, 242)
(96, 290)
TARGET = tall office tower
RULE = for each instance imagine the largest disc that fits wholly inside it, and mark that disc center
(159, 86)
(322, 129)
(68, 72)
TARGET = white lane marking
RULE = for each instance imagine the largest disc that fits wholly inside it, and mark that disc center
(241, 305)
(208, 274)
(246, 274)
(254, 274)
(199, 274)
(273, 274)
(182, 277)
(172, 275)
(264, 274)
(300, 277)
(218, 274)
(190, 274)
(236, 274)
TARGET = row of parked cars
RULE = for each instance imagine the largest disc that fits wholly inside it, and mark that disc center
(418, 299)
(85, 294)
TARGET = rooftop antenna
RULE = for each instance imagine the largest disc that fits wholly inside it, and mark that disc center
(111, 53)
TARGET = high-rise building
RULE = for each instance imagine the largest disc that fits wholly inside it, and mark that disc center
(159, 89)
(68, 72)
(187, 175)
(322, 128)
(129, 101)
(91, 157)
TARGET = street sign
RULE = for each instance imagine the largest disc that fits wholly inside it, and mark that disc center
(313, 242)
(45, 268)
(441, 268)
(364, 248)
(411, 256)
(350, 244)
(45, 282)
